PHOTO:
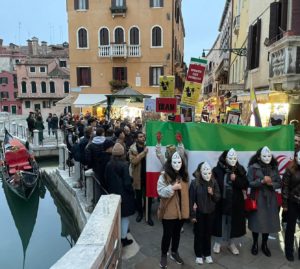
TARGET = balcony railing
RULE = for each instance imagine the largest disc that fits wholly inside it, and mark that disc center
(118, 9)
(119, 50)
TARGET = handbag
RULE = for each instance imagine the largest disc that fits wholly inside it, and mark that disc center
(278, 197)
(251, 201)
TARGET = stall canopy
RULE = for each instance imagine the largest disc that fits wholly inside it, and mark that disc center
(129, 92)
(67, 101)
(88, 100)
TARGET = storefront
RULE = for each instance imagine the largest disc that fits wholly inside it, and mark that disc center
(91, 103)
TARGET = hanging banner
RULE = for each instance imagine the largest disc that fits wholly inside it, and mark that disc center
(196, 70)
(166, 86)
(166, 105)
(191, 93)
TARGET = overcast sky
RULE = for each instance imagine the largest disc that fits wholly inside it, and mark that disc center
(47, 20)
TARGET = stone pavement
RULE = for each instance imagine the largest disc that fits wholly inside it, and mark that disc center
(145, 252)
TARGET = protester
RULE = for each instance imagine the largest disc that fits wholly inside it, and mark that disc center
(30, 123)
(264, 179)
(172, 187)
(39, 125)
(120, 182)
(230, 221)
(204, 193)
(54, 125)
(48, 120)
(291, 204)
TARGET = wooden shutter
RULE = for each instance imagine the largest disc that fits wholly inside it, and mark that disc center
(257, 45)
(284, 14)
(125, 73)
(161, 3)
(298, 61)
(78, 72)
(76, 6)
(249, 47)
(274, 21)
(161, 71)
(151, 76)
(87, 4)
(151, 3)
(89, 76)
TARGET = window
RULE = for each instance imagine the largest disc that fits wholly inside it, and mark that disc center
(118, 3)
(15, 81)
(156, 37)
(4, 80)
(119, 36)
(43, 87)
(254, 45)
(66, 87)
(84, 76)
(54, 103)
(82, 38)
(134, 36)
(15, 95)
(120, 73)
(52, 87)
(154, 74)
(81, 4)
(32, 69)
(27, 104)
(33, 87)
(104, 37)
(5, 108)
(4, 95)
(156, 3)
(42, 69)
(24, 87)
(46, 104)
(62, 63)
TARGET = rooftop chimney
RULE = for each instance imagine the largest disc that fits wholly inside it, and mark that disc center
(1, 42)
(44, 47)
(29, 44)
(35, 46)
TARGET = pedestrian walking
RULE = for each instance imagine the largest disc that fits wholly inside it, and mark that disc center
(54, 125)
(39, 125)
(48, 120)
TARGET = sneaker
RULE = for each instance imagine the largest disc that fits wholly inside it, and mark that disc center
(209, 259)
(175, 257)
(126, 242)
(233, 249)
(217, 248)
(163, 261)
(199, 260)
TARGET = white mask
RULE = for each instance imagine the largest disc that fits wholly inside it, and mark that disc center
(206, 171)
(298, 157)
(266, 155)
(176, 161)
(231, 157)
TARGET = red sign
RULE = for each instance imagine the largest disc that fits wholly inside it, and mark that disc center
(196, 73)
(166, 105)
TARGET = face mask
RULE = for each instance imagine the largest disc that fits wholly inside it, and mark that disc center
(176, 161)
(231, 157)
(298, 157)
(206, 171)
(266, 155)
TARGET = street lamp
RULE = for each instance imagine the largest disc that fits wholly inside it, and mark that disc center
(237, 51)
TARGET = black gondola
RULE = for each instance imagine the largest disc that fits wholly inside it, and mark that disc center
(19, 168)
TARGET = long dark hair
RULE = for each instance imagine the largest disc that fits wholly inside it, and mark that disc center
(174, 174)
(256, 159)
(197, 174)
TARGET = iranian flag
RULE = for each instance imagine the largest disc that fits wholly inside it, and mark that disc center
(206, 142)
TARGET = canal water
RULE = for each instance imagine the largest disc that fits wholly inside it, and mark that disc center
(34, 234)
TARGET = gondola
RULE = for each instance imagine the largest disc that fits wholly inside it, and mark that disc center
(19, 168)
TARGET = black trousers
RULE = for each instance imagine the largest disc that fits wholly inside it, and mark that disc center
(202, 234)
(140, 196)
(292, 214)
(171, 232)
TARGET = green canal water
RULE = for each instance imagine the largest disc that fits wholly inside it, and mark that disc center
(34, 234)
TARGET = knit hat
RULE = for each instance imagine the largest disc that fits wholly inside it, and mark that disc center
(108, 143)
(118, 150)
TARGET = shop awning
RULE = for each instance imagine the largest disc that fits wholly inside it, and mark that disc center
(67, 101)
(261, 96)
(88, 100)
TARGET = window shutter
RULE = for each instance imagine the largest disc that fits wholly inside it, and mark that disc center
(161, 71)
(125, 73)
(87, 4)
(274, 21)
(249, 47)
(78, 76)
(76, 4)
(284, 14)
(114, 73)
(151, 76)
(257, 45)
(89, 76)
(151, 5)
(161, 3)
(298, 61)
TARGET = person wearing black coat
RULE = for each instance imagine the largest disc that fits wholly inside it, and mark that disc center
(54, 124)
(120, 182)
(291, 204)
(230, 219)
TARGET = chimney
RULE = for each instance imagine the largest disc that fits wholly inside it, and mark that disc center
(35, 46)
(29, 44)
(44, 47)
(1, 42)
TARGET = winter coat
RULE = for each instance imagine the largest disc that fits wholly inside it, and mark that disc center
(30, 123)
(198, 194)
(54, 122)
(136, 165)
(83, 142)
(39, 125)
(291, 186)
(266, 218)
(234, 205)
(119, 182)
(177, 208)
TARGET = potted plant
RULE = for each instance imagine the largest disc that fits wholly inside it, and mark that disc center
(117, 85)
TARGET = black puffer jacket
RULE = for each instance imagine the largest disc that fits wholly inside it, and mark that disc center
(291, 186)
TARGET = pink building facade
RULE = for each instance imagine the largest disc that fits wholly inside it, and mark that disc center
(8, 93)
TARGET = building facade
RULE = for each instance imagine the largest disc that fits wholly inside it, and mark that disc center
(114, 44)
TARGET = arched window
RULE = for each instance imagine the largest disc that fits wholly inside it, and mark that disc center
(134, 36)
(43, 87)
(82, 38)
(33, 87)
(24, 87)
(119, 36)
(104, 37)
(52, 87)
(156, 37)
(66, 87)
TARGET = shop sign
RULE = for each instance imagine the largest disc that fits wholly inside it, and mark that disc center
(166, 105)
(166, 86)
(196, 70)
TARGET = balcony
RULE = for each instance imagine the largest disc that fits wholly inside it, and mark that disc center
(236, 24)
(119, 50)
(284, 64)
(118, 8)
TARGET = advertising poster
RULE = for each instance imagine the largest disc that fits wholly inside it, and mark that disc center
(191, 93)
(166, 86)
